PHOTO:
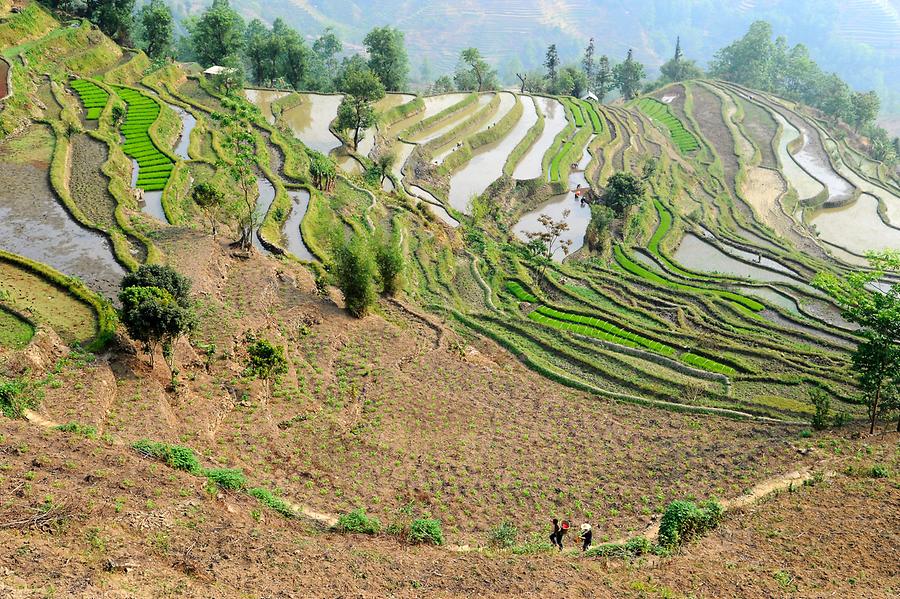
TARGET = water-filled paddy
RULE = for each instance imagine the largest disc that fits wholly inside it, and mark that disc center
(530, 167)
(309, 121)
(487, 164)
(187, 125)
(35, 224)
(578, 218)
(806, 186)
(433, 105)
(263, 99)
(856, 227)
(452, 121)
(292, 235)
(151, 201)
(263, 203)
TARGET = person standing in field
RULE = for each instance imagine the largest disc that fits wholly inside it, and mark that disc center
(586, 536)
(556, 535)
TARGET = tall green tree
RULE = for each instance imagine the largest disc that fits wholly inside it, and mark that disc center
(217, 33)
(747, 61)
(587, 61)
(603, 81)
(623, 190)
(390, 262)
(361, 90)
(876, 360)
(157, 310)
(628, 76)
(864, 108)
(241, 144)
(387, 57)
(156, 28)
(255, 43)
(296, 59)
(678, 68)
(324, 63)
(551, 62)
(115, 18)
(475, 73)
(210, 200)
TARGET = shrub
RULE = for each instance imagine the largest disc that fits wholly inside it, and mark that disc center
(358, 521)
(879, 471)
(389, 260)
(174, 456)
(536, 544)
(821, 419)
(78, 429)
(13, 400)
(684, 520)
(426, 530)
(354, 272)
(267, 498)
(231, 479)
(504, 536)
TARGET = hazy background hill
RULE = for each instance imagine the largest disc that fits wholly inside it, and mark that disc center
(859, 39)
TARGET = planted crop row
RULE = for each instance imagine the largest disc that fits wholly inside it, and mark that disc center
(596, 327)
(575, 108)
(707, 364)
(593, 115)
(154, 167)
(638, 270)
(660, 112)
(92, 96)
(520, 292)
(557, 160)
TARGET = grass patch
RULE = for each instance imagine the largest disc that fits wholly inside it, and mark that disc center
(174, 456)
(357, 521)
(662, 114)
(77, 429)
(15, 333)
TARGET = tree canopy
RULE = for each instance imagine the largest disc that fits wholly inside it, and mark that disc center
(217, 33)
(387, 57)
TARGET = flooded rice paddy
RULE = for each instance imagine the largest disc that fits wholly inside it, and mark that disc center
(309, 121)
(263, 99)
(856, 227)
(187, 125)
(806, 186)
(531, 167)
(292, 233)
(487, 164)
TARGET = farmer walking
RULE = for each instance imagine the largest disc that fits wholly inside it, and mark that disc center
(586, 535)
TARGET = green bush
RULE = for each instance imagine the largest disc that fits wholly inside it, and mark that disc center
(426, 530)
(684, 521)
(267, 498)
(357, 521)
(633, 547)
(354, 272)
(13, 399)
(879, 471)
(231, 479)
(174, 456)
(79, 429)
(504, 536)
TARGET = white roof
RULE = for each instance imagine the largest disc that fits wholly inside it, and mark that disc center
(216, 70)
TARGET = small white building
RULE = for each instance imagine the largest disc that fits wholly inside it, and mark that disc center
(217, 70)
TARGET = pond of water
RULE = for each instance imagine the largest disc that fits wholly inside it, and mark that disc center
(806, 186)
(263, 202)
(530, 167)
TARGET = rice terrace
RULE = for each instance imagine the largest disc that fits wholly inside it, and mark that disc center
(281, 315)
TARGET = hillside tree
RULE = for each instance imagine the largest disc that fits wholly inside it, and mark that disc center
(678, 68)
(217, 33)
(587, 61)
(876, 360)
(387, 57)
(603, 80)
(240, 142)
(324, 61)
(628, 76)
(210, 200)
(623, 190)
(864, 108)
(478, 71)
(115, 18)
(356, 112)
(551, 62)
(749, 60)
(156, 29)
(545, 242)
(266, 362)
(390, 263)
(354, 273)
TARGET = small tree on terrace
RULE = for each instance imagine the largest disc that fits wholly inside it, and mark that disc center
(384, 163)
(240, 141)
(322, 170)
(543, 244)
(156, 310)
(623, 190)
(551, 61)
(354, 273)
(389, 260)
(876, 360)
(266, 362)
(361, 89)
(478, 66)
(209, 200)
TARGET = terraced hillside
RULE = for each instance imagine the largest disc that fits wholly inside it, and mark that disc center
(671, 353)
